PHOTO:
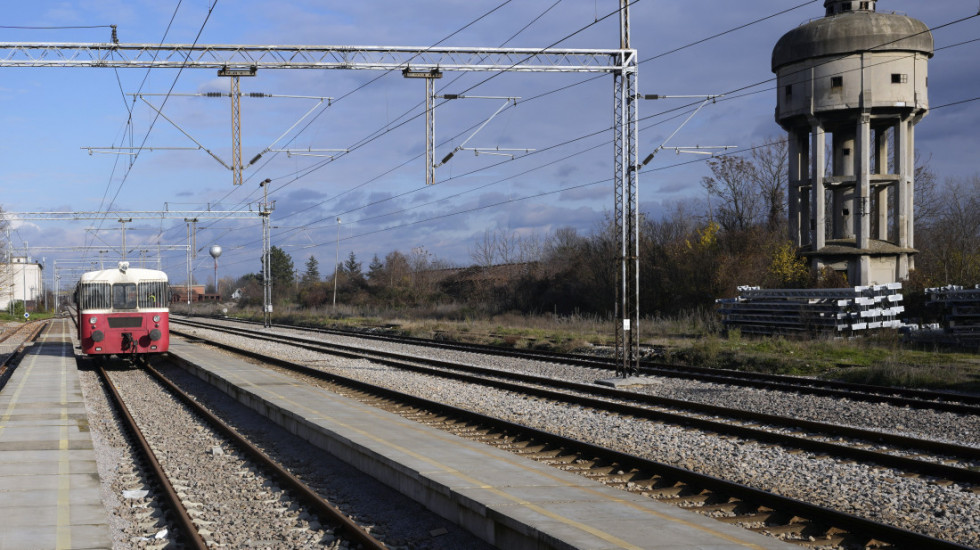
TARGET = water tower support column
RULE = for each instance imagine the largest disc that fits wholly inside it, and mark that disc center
(818, 222)
(881, 168)
(795, 174)
(862, 224)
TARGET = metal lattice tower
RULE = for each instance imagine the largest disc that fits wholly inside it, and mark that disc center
(236, 130)
(625, 145)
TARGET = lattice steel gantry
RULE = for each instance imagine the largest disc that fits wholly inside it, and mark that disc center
(621, 63)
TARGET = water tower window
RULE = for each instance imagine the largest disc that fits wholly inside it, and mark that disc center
(899, 78)
(846, 6)
(837, 82)
(789, 91)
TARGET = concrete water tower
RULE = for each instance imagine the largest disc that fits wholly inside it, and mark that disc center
(215, 252)
(858, 79)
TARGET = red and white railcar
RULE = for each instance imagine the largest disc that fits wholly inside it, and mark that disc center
(123, 312)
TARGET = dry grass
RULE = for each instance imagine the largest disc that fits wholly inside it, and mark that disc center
(693, 339)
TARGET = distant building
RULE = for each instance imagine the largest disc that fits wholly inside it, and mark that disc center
(20, 280)
(178, 294)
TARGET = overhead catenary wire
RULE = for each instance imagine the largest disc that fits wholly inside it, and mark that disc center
(361, 144)
(389, 128)
(361, 87)
(597, 18)
(697, 160)
(744, 88)
(469, 24)
(129, 119)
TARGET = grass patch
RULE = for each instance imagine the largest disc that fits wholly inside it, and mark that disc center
(694, 339)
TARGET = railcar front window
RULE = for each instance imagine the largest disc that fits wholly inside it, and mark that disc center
(124, 296)
(154, 294)
(94, 296)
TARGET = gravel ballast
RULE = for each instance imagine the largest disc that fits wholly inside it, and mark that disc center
(921, 505)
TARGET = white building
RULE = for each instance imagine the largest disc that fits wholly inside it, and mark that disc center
(20, 280)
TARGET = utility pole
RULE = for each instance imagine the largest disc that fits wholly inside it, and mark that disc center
(191, 254)
(265, 211)
(124, 221)
(23, 273)
(236, 119)
(430, 119)
(236, 131)
(336, 272)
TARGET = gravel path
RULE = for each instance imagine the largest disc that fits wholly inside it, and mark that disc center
(947, 512)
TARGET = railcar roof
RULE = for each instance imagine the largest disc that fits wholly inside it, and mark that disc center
(131, 274)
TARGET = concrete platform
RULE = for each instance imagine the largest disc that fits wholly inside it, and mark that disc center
(49, 484)
(509, 501)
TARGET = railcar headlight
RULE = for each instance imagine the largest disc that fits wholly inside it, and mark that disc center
(92, 320)
(156, 318)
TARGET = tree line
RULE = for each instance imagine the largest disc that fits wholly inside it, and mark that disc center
(700, 250)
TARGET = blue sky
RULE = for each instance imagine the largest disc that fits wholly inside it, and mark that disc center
(50, 115)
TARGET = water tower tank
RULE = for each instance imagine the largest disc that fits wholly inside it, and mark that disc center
(856, 78)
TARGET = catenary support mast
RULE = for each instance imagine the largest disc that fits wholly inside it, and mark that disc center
(625, 142)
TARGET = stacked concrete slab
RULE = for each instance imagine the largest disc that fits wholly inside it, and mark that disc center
(835, 310)
(959, 310)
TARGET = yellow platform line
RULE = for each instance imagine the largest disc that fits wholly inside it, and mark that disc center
(5, 419)
(63, 537)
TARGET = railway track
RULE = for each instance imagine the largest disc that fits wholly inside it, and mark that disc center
(32, 332)
(186, 532)
(761, 510)
(195, 521)
(843, 442)
(903, 397)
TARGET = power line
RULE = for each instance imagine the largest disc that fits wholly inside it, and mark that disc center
(308, 171)
(955, 103)
(146, 136)
(387, 129)
(770, 80)
(128, 125)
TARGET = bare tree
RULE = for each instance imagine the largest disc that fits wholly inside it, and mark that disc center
(954, 238)
(770, 171)
(928, 198)
(484, 252)
(733, 181)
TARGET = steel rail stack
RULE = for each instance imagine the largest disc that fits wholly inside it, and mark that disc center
(838, 310)
(960, 312)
